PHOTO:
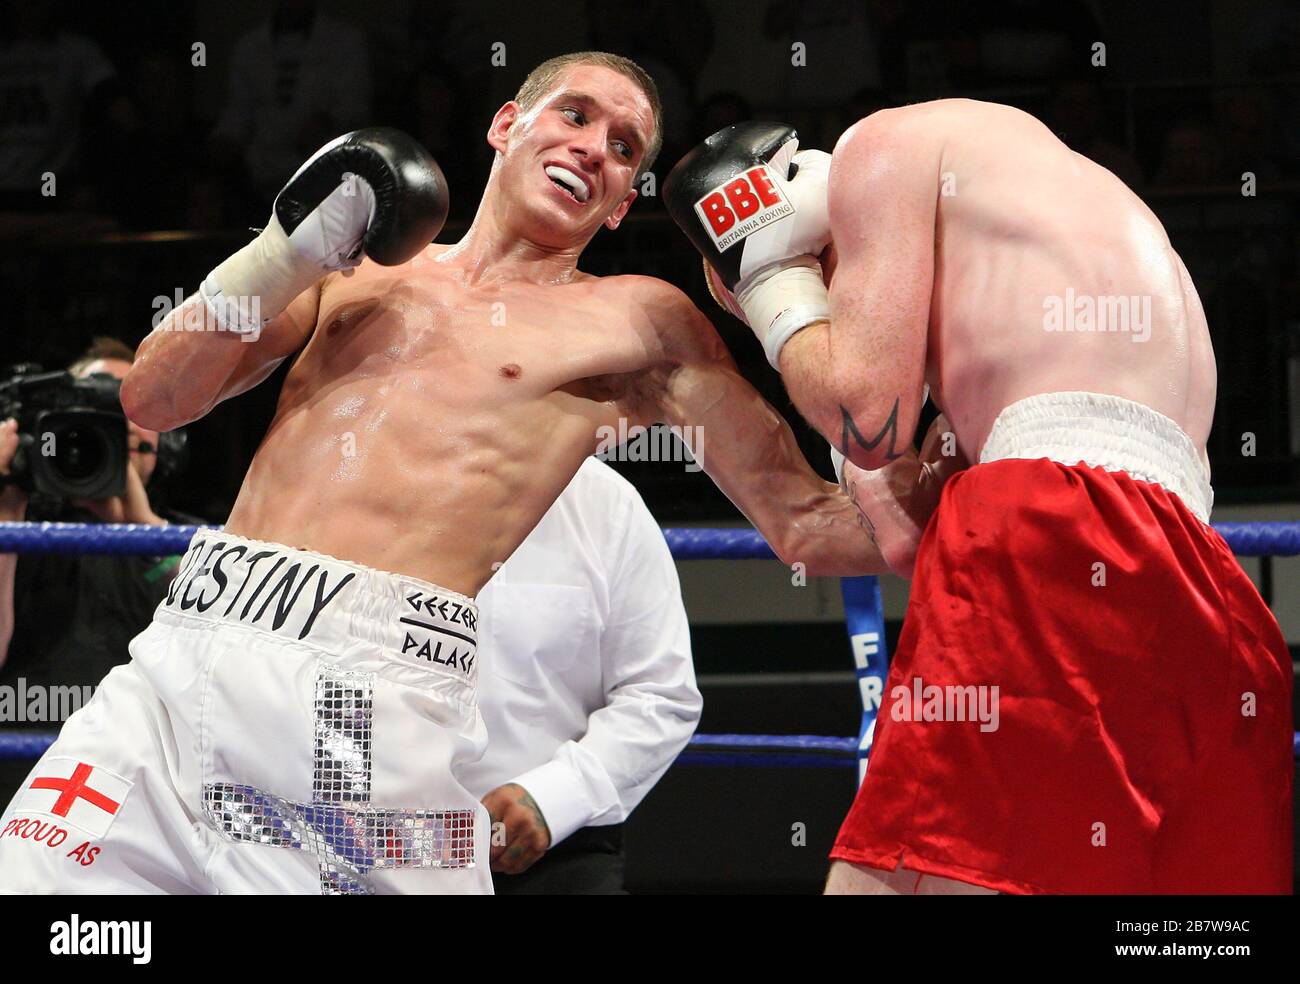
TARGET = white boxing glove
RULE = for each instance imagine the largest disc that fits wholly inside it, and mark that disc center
(373, 192)
(781, 289)
(259, 281)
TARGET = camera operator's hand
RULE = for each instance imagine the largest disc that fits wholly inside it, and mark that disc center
(13, 500)
(133, 507)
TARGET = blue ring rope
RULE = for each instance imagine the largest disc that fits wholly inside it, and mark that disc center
(686, 543)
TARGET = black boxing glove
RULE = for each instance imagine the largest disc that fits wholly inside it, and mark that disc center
(373, 192)
(755, 208)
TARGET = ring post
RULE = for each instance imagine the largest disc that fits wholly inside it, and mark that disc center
(864, 615)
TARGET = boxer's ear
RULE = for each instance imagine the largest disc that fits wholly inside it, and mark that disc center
(616, 216)
(498, 132)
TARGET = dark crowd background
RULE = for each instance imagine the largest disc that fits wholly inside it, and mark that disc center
(168, 128)
(139, 141)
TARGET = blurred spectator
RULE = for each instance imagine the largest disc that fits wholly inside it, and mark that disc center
(1272, 45)
(722, 109)
(210, 205)
(841, 47)
(66, 619)
(437, 118)
(1029, 40)
(51, 83)
(670, 40)
(1190, 156)
(1247, 135)
(838, 53)
(862, 104)
(417, 89)
(1077, 113)
(922, 48)
(141, 169)
(296, 81)
(1272, 39)
(745, 58)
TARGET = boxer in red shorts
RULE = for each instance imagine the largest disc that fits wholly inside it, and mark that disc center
(1089, 694)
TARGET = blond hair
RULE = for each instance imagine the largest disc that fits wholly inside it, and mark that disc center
(542, 78)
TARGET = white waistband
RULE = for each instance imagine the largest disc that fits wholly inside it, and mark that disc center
(330, 604)
(1107, 432)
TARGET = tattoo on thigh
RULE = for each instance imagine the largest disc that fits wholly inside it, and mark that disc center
(849, 428)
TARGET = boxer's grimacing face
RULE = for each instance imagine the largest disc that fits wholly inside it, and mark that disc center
(570, 161)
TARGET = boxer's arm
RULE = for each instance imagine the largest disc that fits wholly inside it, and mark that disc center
(179, 375)
(8, 573)
(858, 378)
(748, 449)
(897, 501)
(373, 193)
(13, 509)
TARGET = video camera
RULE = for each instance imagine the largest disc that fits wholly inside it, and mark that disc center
(72, 438)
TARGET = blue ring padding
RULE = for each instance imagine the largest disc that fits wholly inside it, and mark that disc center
(785, 743)
(767, 761)
(704, 543)
(757, 750)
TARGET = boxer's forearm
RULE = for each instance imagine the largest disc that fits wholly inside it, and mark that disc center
(805, 520)
(895, 504)
(806, 371)
(866, 413)
(830, 538)
(178, 374)
(749, 451)
(8, 572)
(898, 500)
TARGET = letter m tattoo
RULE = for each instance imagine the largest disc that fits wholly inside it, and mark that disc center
(850, 429)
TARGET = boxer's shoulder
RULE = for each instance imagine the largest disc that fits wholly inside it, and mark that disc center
(638, 286)
(905, 131)
(658, 301)
(666, 316)
(686, 333)
(888, 162)
(421, 265)
(938, 123)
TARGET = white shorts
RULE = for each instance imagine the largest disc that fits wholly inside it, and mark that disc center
(1109, 432)
(289, 723)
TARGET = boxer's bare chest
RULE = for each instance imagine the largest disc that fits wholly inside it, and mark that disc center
(484, 346)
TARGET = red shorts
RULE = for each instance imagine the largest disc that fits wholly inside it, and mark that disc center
(1143, 739)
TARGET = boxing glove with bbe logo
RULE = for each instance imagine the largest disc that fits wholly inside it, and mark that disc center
(755, 208)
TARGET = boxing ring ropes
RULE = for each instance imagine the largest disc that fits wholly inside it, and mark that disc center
(864, 618)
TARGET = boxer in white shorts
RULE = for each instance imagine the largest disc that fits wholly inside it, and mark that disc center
(273, 736)
(252, 759)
